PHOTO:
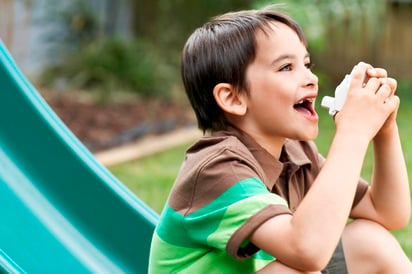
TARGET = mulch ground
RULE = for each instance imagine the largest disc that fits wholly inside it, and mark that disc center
(104, 125)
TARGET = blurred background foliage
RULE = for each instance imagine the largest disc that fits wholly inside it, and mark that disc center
(147, 61)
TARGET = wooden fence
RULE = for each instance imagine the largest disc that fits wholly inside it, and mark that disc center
(387, 43)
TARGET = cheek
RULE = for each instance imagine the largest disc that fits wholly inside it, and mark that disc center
(269, 107)
(274, 98)
(269, 90)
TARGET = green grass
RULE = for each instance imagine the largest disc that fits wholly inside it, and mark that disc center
(151, 178)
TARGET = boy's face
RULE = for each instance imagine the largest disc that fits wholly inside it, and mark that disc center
(282, 88)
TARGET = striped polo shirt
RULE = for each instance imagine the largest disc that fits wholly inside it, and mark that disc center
(228, 185)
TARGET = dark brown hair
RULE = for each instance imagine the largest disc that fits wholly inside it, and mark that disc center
(219, 52)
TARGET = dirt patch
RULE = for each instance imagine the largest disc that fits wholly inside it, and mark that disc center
(104, 125)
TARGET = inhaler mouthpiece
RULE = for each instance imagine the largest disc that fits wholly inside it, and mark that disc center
(335, 104)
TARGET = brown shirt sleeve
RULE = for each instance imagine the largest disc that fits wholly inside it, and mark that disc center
(234, 246)
(360, 192)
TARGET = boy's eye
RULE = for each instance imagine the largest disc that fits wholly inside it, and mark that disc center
(287, 67)
(310, 65)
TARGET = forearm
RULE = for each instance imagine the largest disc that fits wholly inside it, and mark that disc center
(390, 185)
(329, 201)
(321, 216)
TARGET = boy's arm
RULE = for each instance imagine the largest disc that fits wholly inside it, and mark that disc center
(307, 239)
(388, 199)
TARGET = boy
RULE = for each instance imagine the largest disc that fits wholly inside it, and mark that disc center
(254, 194)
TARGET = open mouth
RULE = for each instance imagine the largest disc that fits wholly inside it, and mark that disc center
(306, 107)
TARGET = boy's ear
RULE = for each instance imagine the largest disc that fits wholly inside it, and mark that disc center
(229, 100)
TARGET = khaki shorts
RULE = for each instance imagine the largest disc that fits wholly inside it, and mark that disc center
(337, 265)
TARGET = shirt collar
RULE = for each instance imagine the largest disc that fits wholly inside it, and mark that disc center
(271, 166)
(295, 153)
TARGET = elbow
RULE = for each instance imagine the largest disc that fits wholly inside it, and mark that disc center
(406, 218)
(398, 222)
(312, 258)
(401, 224)
(313, 264)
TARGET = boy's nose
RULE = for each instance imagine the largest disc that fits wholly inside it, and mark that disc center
(311, 79)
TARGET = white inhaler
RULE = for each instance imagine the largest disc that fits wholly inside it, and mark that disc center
(336, 104)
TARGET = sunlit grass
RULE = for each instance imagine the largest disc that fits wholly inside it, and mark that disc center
(152, 177)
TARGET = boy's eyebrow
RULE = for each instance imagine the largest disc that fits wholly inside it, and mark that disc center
(287, 56)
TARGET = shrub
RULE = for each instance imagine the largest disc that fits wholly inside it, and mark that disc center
(110, 64)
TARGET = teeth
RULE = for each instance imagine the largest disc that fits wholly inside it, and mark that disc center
(310, 100)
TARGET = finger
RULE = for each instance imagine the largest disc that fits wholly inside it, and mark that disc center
(392, 102)
(358, 74)
(377, 72)
(384, 91)
(373, 84)
(391, 82)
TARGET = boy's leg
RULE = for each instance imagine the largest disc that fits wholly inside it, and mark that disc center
(337, 264)
(370, 248)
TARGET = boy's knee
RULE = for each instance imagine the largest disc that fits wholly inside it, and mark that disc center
(368, 238)
(369, 246)
(364, 229)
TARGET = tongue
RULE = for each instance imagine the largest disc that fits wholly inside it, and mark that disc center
(302, 109)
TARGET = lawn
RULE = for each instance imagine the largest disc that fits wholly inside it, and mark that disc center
(151, 178)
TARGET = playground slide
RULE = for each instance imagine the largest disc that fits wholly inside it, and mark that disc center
(61, 211)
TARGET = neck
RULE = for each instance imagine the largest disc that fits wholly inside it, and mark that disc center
(273, 145)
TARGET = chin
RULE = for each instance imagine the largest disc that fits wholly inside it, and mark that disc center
(309, 137)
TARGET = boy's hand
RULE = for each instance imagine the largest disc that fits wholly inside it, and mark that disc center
(390, 124)
(381, 74)
(370, 106)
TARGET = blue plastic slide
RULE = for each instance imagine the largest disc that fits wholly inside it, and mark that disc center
(60, 210)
